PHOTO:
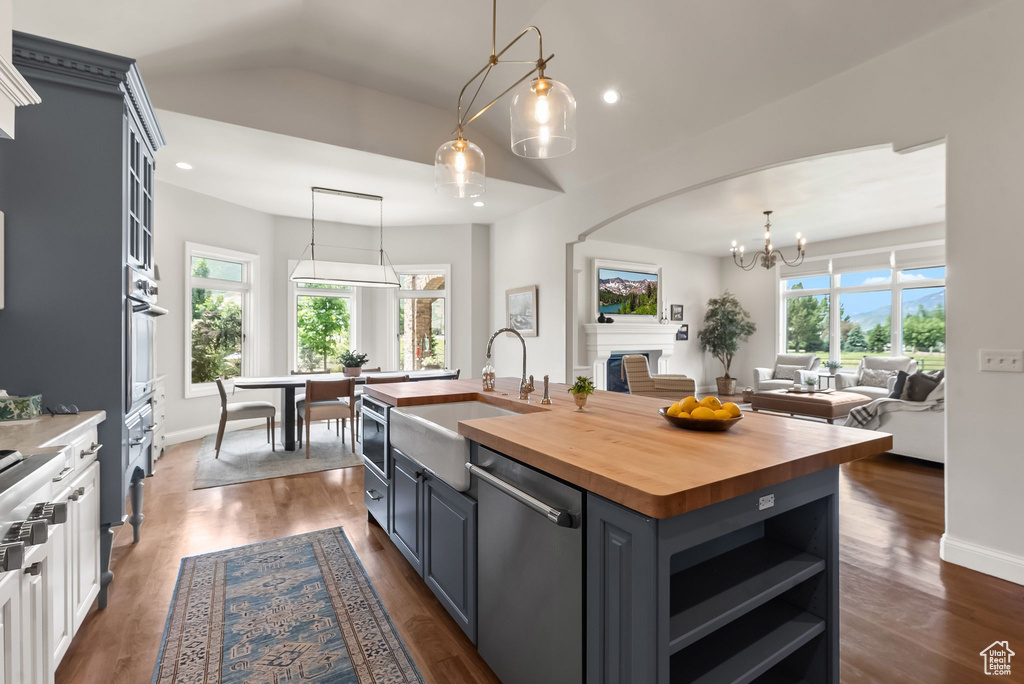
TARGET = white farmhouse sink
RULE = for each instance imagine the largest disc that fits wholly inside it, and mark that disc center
(430, 436)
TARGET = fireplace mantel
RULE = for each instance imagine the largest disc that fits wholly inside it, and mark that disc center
(604, 339)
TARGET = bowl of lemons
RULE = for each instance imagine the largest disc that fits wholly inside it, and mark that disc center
(707, 414)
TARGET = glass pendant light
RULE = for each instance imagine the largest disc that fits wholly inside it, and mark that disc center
(543, 119)
(459, 169)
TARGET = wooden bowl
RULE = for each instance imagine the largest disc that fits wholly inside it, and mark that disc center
(700, 425)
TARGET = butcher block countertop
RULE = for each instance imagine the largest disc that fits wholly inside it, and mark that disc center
(621, 449)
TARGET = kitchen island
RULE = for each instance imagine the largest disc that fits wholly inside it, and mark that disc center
(708, 557)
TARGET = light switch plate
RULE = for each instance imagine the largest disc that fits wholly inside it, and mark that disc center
(1001, 360)
(766, 501)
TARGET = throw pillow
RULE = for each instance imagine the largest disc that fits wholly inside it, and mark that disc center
(920, 385)
(783, 372)
(876, 377)
(901, 381)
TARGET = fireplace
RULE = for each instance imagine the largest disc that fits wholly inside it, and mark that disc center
(603, 341)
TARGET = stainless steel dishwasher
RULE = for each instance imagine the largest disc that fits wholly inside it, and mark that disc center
(530, 572)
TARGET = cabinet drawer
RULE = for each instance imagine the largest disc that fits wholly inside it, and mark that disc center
(375, 495)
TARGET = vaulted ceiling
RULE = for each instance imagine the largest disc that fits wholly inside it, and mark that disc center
(682, 66)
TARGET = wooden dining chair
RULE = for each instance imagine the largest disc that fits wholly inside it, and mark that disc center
(243, 410)
(328, 400)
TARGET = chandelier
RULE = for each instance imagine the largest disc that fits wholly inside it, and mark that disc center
(542, 120)
(769, 255)
(353, 274)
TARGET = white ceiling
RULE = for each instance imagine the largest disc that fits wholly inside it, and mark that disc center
(683, 67)
(273, 173)
(825, 198)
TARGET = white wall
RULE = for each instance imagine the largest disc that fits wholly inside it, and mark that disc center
(757, 289)
(185, 216)
(960, 83)
(687, 279)
(182, 216)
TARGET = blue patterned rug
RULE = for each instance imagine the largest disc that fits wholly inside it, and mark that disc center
(297, 609)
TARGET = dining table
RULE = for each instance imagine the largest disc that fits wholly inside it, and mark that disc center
(289, 384)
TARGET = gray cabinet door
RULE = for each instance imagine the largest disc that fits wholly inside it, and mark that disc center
(449, 551)
(406, 509)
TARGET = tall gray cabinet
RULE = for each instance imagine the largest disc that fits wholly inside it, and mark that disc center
(76, 188)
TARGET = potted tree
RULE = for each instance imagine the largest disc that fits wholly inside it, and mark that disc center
(353, 362)
(581, 389)
(726, 324)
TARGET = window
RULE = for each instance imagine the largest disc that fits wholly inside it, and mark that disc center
(860, 321)
(220, 289)
(323, 325)
(422, 318)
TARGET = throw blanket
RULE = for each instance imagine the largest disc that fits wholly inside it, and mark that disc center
(869, 416)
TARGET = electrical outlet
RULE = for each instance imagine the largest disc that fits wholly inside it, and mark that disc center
(766, 501)
(1001, 360)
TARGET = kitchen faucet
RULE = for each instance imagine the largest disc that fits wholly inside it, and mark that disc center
(525, 386)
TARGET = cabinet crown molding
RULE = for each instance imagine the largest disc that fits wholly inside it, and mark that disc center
(71, 65)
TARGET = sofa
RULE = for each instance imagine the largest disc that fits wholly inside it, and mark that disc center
(920, 434)
(766, 379)
(853, 381)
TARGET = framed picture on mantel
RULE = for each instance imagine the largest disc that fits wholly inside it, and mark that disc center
(521, 310)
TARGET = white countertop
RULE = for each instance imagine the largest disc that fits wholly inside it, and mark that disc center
(28, 436)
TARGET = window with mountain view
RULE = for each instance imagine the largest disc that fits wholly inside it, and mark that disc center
(878, 312)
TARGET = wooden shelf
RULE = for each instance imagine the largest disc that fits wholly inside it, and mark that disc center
(716, 592)
(748, 647)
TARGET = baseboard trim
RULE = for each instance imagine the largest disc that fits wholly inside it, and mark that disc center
(203, 430)
(982, 559)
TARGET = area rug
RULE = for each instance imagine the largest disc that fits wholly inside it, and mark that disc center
(245, 456)
(297, 609)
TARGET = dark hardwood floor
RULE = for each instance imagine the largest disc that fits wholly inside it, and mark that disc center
(906, 615)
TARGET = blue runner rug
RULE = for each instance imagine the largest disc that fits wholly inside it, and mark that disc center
(297, 609)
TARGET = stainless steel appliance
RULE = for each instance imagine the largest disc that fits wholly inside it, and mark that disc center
(140, 311)
(530, 572)
(374, 432)
(26, 515)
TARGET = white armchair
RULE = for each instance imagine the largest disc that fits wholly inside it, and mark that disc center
(852, 382)
(766, 379)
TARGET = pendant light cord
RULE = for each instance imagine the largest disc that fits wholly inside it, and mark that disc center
(312, 227)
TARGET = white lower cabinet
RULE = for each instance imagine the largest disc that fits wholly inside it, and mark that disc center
(43, 604)
(11, 637)
(84, 524)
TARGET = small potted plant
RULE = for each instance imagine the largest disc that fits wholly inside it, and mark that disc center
(353, 362)
(726, 324)
(833, 366)
(811, 382)
(581, 389)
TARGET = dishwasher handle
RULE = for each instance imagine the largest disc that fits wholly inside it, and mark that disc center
(559, 516)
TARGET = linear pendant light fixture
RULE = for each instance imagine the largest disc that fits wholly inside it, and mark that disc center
(354, 274)
(542, 120)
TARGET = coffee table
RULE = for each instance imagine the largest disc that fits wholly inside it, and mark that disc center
(830, 406)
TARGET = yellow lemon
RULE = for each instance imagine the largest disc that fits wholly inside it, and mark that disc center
(684, 415)
(702, 413)
(673, 410)
(732, 408)
(711, 403)
(689, 403)
(722, 414)
(676, 406)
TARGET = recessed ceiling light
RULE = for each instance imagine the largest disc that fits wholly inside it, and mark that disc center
(185, 166)
(611, 96)
(478, 204)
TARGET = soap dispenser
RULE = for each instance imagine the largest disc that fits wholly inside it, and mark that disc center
(488, 377)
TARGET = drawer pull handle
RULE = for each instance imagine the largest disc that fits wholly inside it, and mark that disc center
(370, 493)
(91, 450)
(153, 427)
(34, 569)
(64, 473)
